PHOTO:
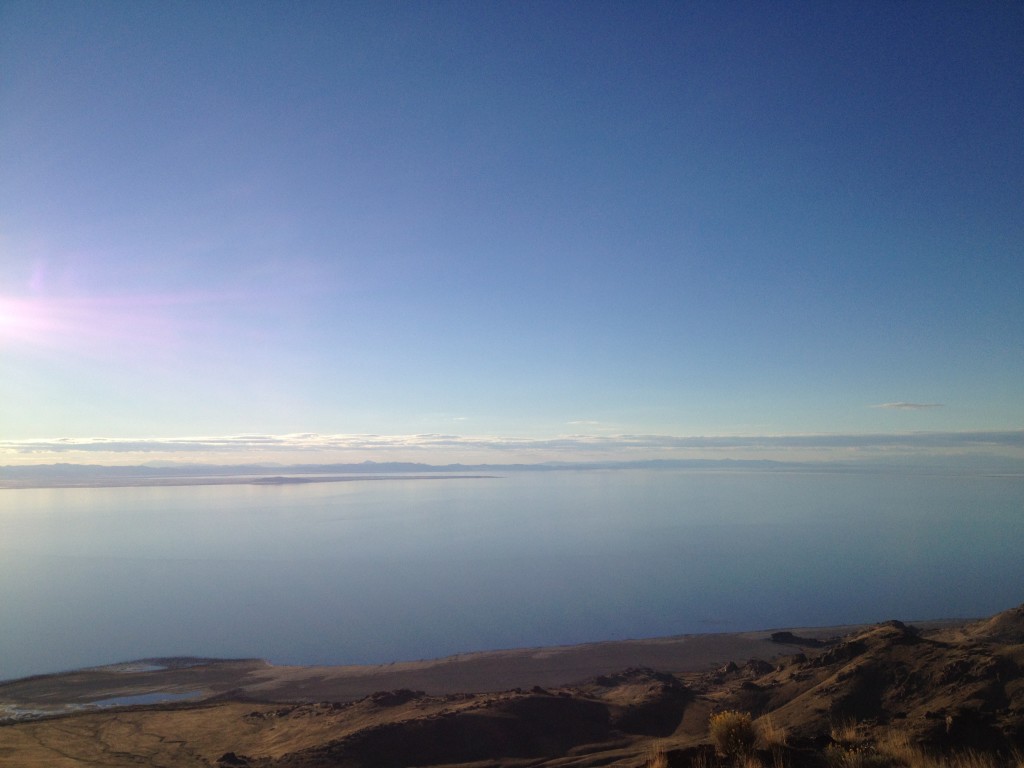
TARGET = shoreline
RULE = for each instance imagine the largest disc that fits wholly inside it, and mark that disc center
(187, 480)
(256, 680)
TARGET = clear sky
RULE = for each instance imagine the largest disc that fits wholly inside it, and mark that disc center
(534, 227)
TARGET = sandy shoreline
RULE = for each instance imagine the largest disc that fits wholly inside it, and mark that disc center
(259, 681)
(940, 686)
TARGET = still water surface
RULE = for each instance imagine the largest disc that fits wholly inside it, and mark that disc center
(383, 570)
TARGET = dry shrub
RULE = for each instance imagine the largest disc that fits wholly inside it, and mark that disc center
(897, 745)
(838, 756)
(704, 760)
(772, 735)
(969, 759)
(846, 733)
(894, 749)
(656, 756)
(975, 760)
(732, 733)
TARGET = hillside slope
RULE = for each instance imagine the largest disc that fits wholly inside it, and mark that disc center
(953, 688)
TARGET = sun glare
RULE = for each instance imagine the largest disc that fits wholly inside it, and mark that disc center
(10, 317)
(22, 320)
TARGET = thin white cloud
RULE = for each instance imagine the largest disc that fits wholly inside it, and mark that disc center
(312, 443)
(904, 406)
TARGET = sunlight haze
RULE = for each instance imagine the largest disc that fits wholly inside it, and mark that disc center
(510, 232)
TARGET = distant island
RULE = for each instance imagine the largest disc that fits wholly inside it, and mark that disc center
(180, 473)
(291, 480)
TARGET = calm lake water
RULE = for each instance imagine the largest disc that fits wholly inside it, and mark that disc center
(383, 570)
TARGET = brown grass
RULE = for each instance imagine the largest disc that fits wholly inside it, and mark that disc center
(732, 733)
(771, 734)
(656, 756)
(894, 749)
(846, 732)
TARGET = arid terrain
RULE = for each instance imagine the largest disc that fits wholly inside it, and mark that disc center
(889, 694)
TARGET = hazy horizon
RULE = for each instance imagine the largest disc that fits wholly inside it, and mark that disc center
(971, 450)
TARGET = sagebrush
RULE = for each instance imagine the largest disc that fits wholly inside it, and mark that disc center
(732, 733)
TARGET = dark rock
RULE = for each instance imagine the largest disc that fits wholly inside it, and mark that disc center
(788, 638)
(840, 653)
(395, 698)
(230, 758)
(758, 667)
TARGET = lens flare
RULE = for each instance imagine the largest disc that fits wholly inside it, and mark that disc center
(22, 320)
(89, 326)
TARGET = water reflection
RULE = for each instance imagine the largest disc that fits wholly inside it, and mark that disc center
(378, 571)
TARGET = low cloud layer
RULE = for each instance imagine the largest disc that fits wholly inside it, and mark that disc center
(627, 444)
(903, 406)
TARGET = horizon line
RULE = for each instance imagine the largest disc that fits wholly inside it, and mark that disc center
(315, 442)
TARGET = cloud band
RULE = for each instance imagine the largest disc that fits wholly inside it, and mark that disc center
(312, 443)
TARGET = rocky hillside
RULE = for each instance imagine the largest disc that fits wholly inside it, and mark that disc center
(940, 691)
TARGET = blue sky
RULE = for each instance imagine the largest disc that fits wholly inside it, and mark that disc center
(507, 223)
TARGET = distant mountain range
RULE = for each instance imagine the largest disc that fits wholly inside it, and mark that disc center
(168, 469)
(166, 472)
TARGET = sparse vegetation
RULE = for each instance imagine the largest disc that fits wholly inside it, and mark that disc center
(772, 735)
(656, 756)
(845, 733)
(732, 733)
(857, 756)
(794, 728)
(853, 745)
(894, 749)
(899, 748)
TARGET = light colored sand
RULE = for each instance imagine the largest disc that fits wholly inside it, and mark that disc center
(479, 672)
(472, 672)
(521, 668)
